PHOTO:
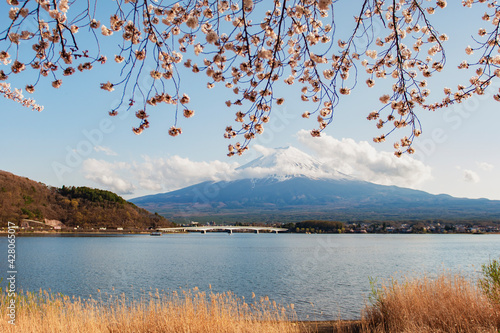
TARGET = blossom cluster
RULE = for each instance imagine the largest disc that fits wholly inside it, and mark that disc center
(248, 47)
(17, 96)
(487, 62)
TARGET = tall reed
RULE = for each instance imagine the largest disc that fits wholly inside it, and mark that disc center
(180, 311)
(449, 303)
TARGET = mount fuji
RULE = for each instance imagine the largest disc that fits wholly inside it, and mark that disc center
(287, 185)
(285, 163)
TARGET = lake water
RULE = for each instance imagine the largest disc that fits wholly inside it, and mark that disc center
(324, 276)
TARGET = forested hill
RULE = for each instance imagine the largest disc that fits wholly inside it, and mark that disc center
(22, 198)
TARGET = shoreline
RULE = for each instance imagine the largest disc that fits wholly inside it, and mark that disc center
(330, 326)
(77, 233)
(147, 232)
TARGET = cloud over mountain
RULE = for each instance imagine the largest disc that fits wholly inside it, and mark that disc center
(364, 162)
(333, 159)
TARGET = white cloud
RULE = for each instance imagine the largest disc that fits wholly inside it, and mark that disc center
(364, 162)
(485, 166)
(334, 158)
(263, 150)
(105, 174)
(177, 172)
(156, 174)
(471, 177)
(106, 150)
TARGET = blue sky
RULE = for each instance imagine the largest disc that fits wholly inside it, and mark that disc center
(74, 141)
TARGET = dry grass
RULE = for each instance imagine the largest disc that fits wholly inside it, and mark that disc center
(449, 303)
(184, 311)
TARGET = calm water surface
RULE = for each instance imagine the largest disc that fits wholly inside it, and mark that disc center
(325, 276)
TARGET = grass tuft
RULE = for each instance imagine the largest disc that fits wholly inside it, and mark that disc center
(449, 303)
(490, 281)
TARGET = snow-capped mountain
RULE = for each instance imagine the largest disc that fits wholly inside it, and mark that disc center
(285, 163)
(287, 184)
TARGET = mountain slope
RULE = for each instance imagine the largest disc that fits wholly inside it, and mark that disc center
(310, 198)
(286, 184)
(22, 198)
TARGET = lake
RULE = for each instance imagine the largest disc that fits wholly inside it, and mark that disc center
(324, 276)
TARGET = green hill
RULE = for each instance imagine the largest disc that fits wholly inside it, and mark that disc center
(22, 198)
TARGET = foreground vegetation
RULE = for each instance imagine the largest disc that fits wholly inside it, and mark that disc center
(448, 303)
(188, 311)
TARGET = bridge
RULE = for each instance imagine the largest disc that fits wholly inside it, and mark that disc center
(228, 228)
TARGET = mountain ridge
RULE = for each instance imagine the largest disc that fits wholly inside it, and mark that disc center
(338, 199)
(288, 185)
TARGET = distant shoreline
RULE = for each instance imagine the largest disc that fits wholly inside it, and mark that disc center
(86, 233)
(124, 233)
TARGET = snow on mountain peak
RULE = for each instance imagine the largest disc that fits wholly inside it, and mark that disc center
(284, 163)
